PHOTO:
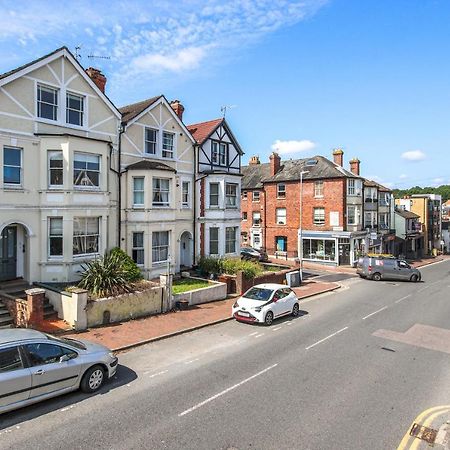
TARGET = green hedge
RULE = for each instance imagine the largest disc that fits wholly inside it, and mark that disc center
(229, 266)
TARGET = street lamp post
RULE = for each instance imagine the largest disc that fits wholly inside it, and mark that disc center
(300, 237)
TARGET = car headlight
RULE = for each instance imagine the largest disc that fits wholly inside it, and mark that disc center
(258, 309)
(111, 355)
(236, 305)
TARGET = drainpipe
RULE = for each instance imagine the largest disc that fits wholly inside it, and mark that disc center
(119, 203)
(194, 201)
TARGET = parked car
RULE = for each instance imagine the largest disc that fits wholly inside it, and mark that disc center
(251, 253)
(265, 302)
(35, 366)
(386, 268)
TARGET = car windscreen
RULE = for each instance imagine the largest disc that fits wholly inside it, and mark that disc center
(260, 294)
(72, 342)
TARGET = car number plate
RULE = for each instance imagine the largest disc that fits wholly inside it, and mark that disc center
(244, 314)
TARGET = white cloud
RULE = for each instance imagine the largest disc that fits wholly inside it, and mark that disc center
(414, 155)
(285, 147)
(403, 176)
(185, 59)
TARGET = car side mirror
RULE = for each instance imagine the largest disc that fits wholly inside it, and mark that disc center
(275, 299)
(64, 358)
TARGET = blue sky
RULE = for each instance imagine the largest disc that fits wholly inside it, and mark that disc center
(302, 77)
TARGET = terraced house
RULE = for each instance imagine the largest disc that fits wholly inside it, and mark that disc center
(58, 168)
(317, 196)
(157, 164)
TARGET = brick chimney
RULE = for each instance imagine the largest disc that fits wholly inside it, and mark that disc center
(275, 162)
(178, 108)
(254, 160)
(338, 156)
(354, 166)
(97, 77)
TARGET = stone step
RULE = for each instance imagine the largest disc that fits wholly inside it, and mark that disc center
(3, 311)
(4, 327)
(5, 320)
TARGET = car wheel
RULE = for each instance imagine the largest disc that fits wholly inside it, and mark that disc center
(92, 379)
(376, 276)
(295, 310)
(269, 318)
(414, 278)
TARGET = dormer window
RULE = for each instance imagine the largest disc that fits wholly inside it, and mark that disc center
(47, 102)
(219, 153)
(167, 147)
(74, 109)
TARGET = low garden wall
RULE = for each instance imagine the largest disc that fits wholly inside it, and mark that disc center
(124, 307)
(217, 291)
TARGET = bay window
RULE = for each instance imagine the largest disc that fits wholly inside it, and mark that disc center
(86, 170)
(86, 235)
(161, 191)
(160, 246)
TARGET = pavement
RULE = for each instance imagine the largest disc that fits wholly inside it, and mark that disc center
(325, 380)
(124, 335)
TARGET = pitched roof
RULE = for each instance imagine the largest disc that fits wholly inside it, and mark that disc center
(150, 165)
(379, 186)
(406, 214)
(318, 167)
(24, 66)
(129, 112)
(201, 131)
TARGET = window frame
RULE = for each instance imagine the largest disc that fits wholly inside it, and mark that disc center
(139, 191)
(214, 205)
(281, 193)
(53, 169)
(137, 250)
(161, 191)
(315, 216)
(244, 216)
(277, 216)
(85, 170)
(81, 112)
(215, 241)
(357, 215)
(20, 167)
(148, 143)
(55, 236)
(228, 196)
(253, 219)
(227, 241)
(257, 198)
(185, 203)
(160, 247)
(351, 186)
(318, 188)
(54, 105)
(219, 153)
(168, 153)
(86, 235)
(19, 353)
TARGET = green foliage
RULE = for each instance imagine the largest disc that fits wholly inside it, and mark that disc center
(188, 284)
(250, 269)
(443, 190)
(133, 273)
(209, 265)
(106, 276)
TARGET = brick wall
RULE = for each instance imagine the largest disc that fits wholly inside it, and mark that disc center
(249, 206)
(243, 284)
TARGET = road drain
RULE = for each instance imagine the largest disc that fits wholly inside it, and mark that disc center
(424, 433)
(388, 349)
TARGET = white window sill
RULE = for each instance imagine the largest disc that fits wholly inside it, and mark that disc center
(12, 187)
(86, 256)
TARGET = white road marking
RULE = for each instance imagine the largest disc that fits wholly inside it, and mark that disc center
(422, 289)
(9, 430)
(158, 373)
(66, 409)
(259, 335)
(252, 334)
(328, 337)
(276, 329)
(191, 361)
(403, 298)
(375, 312)
(210, 399)
(289, 323)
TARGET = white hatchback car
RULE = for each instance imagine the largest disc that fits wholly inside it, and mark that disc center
(265, 302)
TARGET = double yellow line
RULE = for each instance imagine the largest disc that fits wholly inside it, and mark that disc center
(425, 419)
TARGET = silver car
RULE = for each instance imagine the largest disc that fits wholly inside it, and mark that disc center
(35, 366)
(386, 268)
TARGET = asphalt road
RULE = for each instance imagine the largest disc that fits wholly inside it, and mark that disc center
(321, 381)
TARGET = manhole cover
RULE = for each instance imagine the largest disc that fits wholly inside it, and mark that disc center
(424, 433)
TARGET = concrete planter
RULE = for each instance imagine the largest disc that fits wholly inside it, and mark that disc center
(217, 291)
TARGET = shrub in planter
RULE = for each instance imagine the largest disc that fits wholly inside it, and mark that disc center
(232, 266)
(133, 273)
(209, 265)
(106, 276)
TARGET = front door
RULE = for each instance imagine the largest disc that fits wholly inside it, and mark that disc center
(8, 254)
(256, 239)
(344, 254)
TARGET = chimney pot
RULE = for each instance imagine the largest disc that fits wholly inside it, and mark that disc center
(97, 77)
(254, 160)
(338, 156)
(275, 163)
(178, 108)
(354, 166)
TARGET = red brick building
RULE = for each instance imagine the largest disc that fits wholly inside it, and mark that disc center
(330, 197)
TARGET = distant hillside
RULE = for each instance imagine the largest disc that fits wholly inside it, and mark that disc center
(443, 190)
